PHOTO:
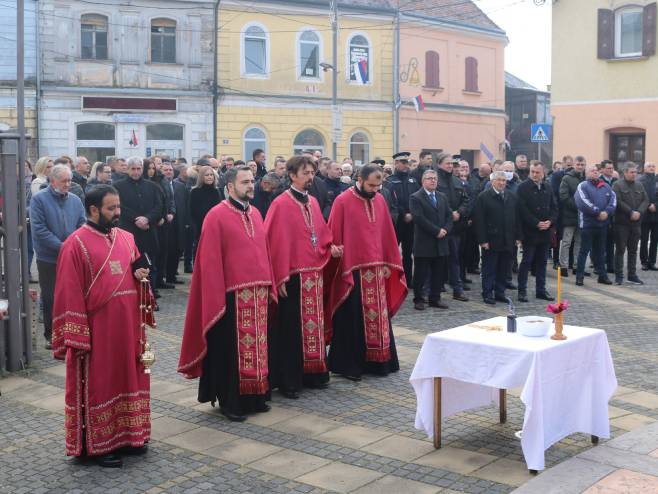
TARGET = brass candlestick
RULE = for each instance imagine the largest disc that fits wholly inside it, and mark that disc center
(147, 358)
(558, 319)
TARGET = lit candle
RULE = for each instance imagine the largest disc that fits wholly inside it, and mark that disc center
(559, 284)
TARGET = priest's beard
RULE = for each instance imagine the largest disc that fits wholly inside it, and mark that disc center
(367, 195)
(105, 223)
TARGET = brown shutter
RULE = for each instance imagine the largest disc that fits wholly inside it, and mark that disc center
(649, 30)
(432, 69)
(471, 74)
(606, 34)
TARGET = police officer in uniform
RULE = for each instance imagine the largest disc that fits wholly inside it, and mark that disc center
(401, 185)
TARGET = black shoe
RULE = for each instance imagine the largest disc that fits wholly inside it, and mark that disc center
(352, 378)
(130, 451)
(188, 270)
(233, 417)
(645, 267)
(564, 273)
(474, 271)
(466, 288)
(419, 305)
(263, 408)
(545, 296)
(48, 345)
(489, 301)
(635, 280)
(467, 281)
(175, 282)
(579, 281)
(438, 305)
(604, 280)
(510, 286)
(109, 461)
(460, 296)
(166, 286)
(501, 298)
(289, 393)
(523, 297)
(619, 281)
(652, 267)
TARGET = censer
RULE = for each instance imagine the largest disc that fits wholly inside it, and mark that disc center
(146, 318)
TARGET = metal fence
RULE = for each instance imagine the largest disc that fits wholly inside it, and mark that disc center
(16, 325)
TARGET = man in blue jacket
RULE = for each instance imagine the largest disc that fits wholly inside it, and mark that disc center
(54, 215)
(596, 203)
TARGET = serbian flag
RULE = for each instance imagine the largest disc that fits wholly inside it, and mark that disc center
(419, 104)
(360, 71)
(133, 138)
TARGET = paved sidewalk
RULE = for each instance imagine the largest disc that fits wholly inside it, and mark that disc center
(352, 437)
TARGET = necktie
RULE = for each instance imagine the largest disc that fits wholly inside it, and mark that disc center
(433, 199)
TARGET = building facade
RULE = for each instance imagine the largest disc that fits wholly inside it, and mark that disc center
(275, 79)
(605, 86)
(525, 105)
(8, 47)
(126, 80)
(452, 56)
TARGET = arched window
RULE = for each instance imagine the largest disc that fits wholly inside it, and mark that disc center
(254, 138)
(432, 69)
(359, 56)
(309, 55)
(93, 37)
(308, 140)
(471, 75)
(163, 41)
(96, 141)
(360, 148)
(254, 51)
(628, 31)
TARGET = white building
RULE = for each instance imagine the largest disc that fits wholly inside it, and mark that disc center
(126, 80)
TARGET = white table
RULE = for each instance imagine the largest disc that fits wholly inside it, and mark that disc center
(566, 384)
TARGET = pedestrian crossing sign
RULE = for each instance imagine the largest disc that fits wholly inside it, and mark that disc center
(540, 132)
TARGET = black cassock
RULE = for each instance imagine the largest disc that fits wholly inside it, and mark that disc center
(347, 354)
(220, 380)
(286, 365)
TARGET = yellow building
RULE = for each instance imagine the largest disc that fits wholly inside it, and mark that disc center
(604, 80)
(275, 80)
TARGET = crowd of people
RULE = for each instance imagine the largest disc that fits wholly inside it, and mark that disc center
(299, 268)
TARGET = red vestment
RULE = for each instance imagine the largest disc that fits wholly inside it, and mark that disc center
(300, 243)
(232, 256)
(364, 227)
(96, 327)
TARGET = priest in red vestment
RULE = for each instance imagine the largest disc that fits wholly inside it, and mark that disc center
(225, 335)
(97, 329)
(300, 247)
(368, 286)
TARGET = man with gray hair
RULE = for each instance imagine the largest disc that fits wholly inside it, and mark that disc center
(81, 171)
(54, 215)
(632, 204)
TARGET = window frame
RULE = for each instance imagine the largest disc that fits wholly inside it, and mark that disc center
(348, 65)
(243, 65)
(162, 35)
(618, 14)
(298, 47)
(94, 143)
(302, 148)
(248, 156)
(367, 145)
(106, 20)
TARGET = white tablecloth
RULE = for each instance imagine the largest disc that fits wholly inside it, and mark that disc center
(566, 384)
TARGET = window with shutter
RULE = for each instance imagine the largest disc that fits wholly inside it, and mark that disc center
(432, 69)
(471, 75)
(606, 34)
(649, 30)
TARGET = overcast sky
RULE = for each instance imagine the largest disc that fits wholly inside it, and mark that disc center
(528, 27)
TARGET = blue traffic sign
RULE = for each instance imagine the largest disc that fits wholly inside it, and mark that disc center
(540, 132)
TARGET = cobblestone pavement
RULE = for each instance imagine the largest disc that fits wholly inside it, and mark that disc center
(353, 437)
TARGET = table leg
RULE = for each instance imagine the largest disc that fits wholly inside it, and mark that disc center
(502, 398)
(437, 412)
(595, 439)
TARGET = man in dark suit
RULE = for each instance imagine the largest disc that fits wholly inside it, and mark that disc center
(498, 231)
(537, 212)
(432, 224)
(180, 228)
